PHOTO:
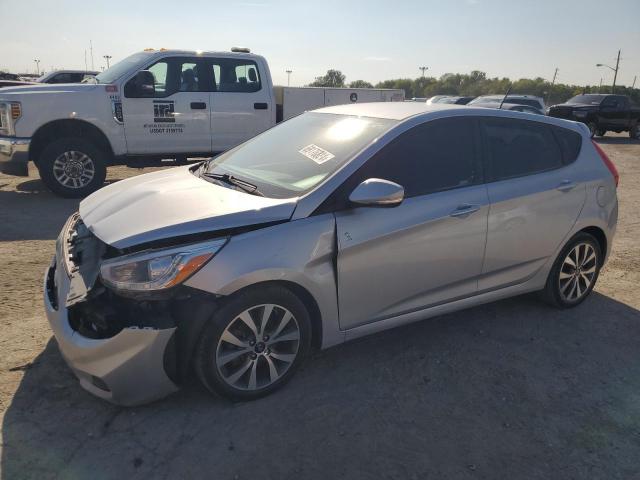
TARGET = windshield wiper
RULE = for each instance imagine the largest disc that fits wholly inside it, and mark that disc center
(236, 182)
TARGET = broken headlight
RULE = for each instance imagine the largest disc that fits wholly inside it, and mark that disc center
(157, 269)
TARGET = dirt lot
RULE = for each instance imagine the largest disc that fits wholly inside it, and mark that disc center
(509, 390)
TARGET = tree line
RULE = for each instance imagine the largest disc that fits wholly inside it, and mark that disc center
(474, 84)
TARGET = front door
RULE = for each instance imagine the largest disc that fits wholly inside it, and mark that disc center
(429, 249)
(176, 118)
(241, 106)
(535, 196)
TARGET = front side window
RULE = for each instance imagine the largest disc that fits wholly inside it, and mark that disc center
(235, 75)
(159, 71)
(295, 156)
(519, 147)
(432, 157)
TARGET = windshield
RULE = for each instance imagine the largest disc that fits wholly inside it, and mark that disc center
(295, 156)
(123, 66)
(587, 99)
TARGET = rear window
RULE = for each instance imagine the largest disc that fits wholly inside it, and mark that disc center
(570, 144)
(518, 147)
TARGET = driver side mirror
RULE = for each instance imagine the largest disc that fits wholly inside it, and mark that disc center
(141, 86)
(375, 192)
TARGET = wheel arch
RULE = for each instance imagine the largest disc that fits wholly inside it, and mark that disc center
(599, 235)
(67, 128)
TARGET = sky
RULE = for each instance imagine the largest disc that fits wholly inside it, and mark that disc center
(371, 40)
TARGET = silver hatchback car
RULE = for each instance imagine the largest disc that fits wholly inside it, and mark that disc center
(336, 224)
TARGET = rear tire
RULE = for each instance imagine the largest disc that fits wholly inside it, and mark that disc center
(254, 343)
(72, 167)
(574, 273)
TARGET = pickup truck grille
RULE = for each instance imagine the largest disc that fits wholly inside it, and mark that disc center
(561, 112)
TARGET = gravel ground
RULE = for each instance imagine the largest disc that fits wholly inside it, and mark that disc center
(513, 389)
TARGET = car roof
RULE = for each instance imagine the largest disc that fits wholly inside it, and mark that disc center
(402, 111)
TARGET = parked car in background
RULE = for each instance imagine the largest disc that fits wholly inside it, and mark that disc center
(601, 113)
(514, 107)
(333, 225)
(455, 100)
(436, 98)
(536, 102)
(66, 76)
(15, 83)
(153, 105)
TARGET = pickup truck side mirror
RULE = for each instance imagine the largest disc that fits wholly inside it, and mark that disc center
(141, 86)
(375, 192)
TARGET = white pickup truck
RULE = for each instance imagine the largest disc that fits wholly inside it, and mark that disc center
(153, 105)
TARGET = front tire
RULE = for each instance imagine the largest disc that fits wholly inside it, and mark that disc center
(593, 128)
(72, 167)
(634, 133)
(575, 272)
(601, 132)
(254, 343)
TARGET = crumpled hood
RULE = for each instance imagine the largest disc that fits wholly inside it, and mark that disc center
(172, 203)
(49, 88)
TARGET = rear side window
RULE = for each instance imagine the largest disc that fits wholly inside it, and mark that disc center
(518, 147)
(570, 144)
(235, 75)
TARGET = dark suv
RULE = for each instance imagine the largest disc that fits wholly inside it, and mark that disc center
(601, 113)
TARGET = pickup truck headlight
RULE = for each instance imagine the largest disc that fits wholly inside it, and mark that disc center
(580, 113)
(157, 269)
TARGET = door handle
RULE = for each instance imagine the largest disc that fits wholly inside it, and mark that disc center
(198, 105)
(464, 210)
(566, 185)
(260, 106)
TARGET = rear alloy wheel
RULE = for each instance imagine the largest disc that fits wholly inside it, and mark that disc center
(575, 272)
(254, 343)
(72, 167)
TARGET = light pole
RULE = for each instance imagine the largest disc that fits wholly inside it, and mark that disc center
(615, 71)
(424, 69)
(107, 58)
(289, 71)
(37, 66)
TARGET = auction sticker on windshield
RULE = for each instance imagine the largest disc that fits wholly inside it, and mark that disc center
(317, 154)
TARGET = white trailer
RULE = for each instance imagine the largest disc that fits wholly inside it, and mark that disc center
(292, 101)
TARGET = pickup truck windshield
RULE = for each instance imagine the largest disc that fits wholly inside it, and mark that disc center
(586, 99)
(295, 156)
(123, 66)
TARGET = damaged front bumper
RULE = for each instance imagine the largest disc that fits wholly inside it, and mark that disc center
(129, 367)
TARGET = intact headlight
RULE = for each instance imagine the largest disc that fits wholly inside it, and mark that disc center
(158, 269)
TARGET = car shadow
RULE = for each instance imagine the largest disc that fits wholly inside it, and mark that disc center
(513, 389)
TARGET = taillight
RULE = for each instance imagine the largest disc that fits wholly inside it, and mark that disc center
(612, 168)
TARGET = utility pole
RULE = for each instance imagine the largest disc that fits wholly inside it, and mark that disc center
(107, 58)
(615, 71)
(37, 66)
(600, 86)
(553, 82)
(91, 50)
(288, 77)
(424, 69)
(634, 82)
(85, 60)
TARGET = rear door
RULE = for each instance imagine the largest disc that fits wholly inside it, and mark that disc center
(429, 249)
(176, 119)
(535, 193)
(241, 103)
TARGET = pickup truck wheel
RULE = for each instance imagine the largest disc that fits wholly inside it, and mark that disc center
(72, 167)
(635, 132)
(601, 132)
(593, 128)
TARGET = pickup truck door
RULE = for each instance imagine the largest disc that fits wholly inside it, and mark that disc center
(241, 103)
(614, 113)
(176, 118)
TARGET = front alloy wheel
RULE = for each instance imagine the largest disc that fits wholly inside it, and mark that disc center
(253, 343)
(74, 169)
(258, 347)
